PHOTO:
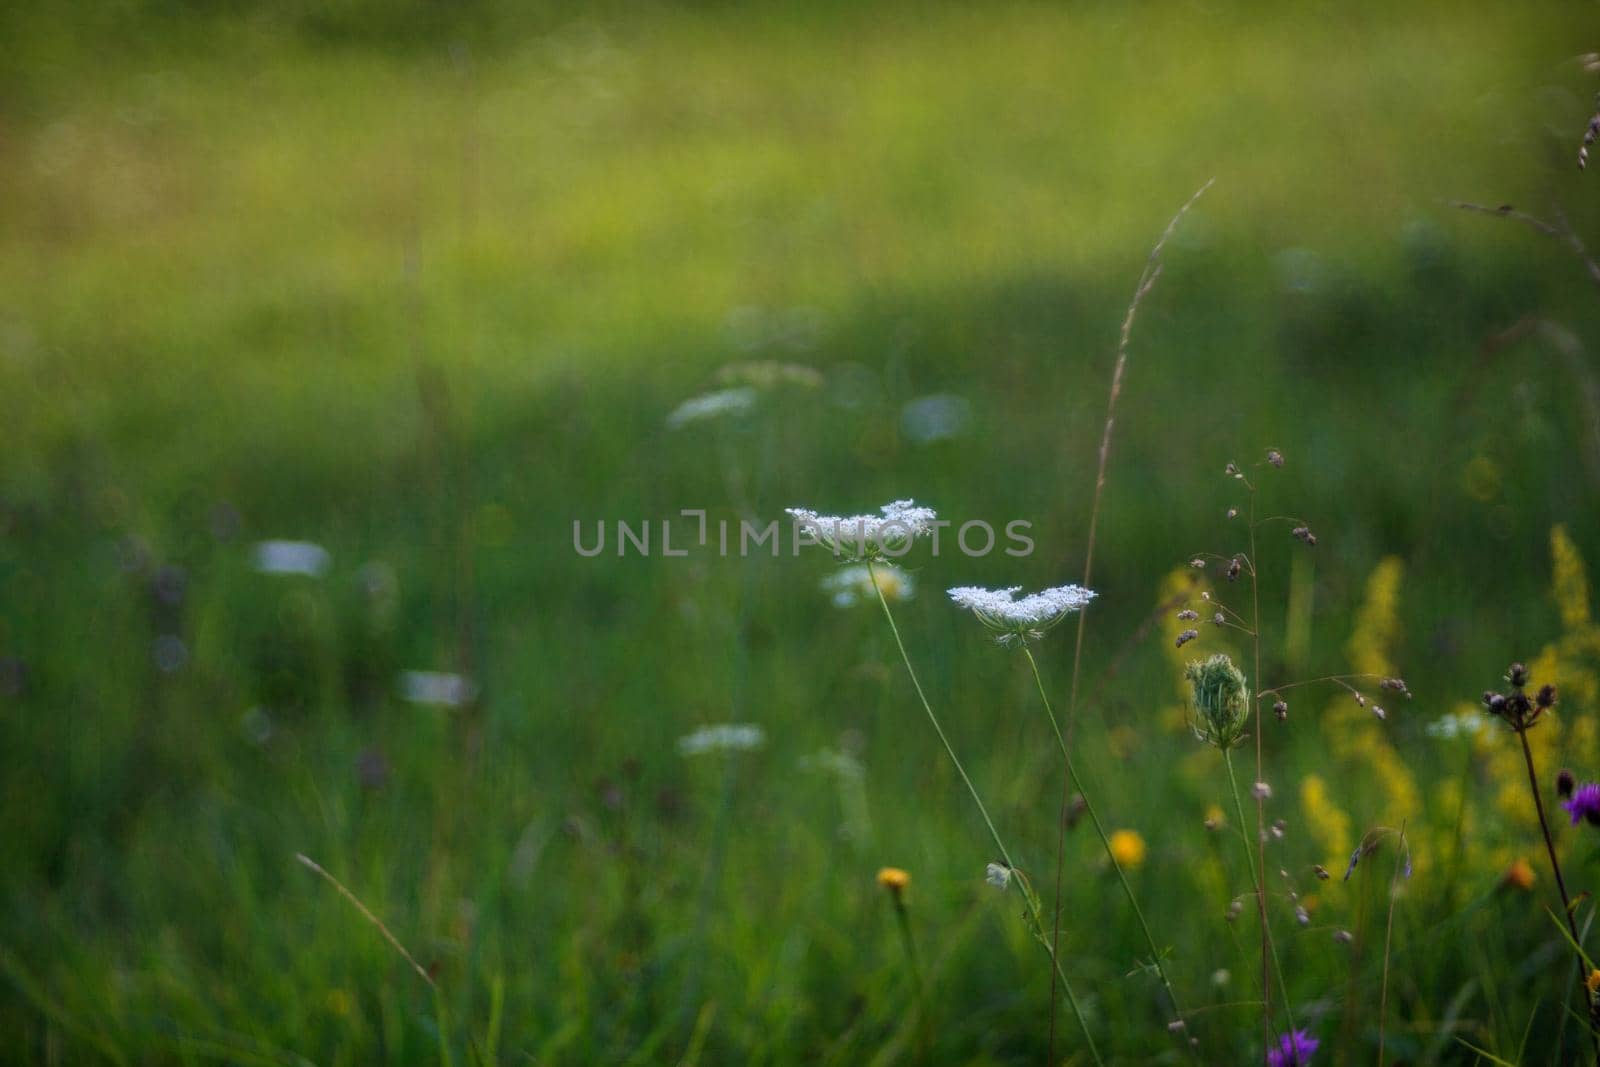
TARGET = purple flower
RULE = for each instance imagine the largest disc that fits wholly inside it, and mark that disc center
(1585, 804)
(1294, 1050)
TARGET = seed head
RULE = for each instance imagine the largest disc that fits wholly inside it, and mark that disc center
(1221, 699)
(1280, 709)
(1564, 783)
(1275, 457)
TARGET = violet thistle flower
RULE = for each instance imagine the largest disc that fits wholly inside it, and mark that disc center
(1295, 1049)
(1584, 804)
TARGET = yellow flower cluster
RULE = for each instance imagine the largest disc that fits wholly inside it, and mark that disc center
(1355, 736)
(1572, 663)
(1328, 823)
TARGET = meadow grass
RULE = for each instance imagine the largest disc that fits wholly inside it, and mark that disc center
(425, 292)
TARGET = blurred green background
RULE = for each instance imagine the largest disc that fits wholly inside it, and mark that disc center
(422, 283)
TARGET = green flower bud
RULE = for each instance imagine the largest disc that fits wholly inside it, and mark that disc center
(1221, 701)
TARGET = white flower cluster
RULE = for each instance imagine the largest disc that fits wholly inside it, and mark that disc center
(737, 401)
(437, 687)
(1027, 619)
(852, 585)
(725, 737)
(292, 557)
(867, 536)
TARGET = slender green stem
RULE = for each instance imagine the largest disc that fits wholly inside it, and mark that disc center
(1105, 841)
(1269, 949)
(1261, 812)
(903, 920)
(934, 719)
(1388, 938)
(1005, 854)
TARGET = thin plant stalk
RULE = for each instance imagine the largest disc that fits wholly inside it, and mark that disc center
(1388, 939)
(994, 834)
(1250, 861)
(1261, 808)
(1147, 282)
(1561, 884)
(1105, 843)
(903, 921)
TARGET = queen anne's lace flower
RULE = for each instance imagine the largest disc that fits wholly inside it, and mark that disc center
(736, 401)
(867, 536)
(1017, 621)
(723, 737)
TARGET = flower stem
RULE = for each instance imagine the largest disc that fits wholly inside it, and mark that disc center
(1268, 948)
(903, 921)
(1005, 853)
(1561, 884)
(1105, 843)
(1388, 938)
(1260, 875)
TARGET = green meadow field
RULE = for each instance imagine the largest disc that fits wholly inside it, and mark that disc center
(416, 287)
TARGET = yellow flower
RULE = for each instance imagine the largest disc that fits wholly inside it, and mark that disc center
(1593, 981)
(893, 879)
(1519, 875)
(1329, 825)
(1127, 848)
(1215, 819)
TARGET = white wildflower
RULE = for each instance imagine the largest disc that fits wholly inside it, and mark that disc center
(437, 687)
(1018, 621)
(935, 418)
(852, 585)
(867, 536)
(292, 557)
(724, 737)
(828, 761)
(713, 405)
(1457, 724)
(997, 875)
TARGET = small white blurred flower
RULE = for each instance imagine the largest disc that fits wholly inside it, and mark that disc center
(713, 405)
(724, 737)
(1028, 619)
(292, 557)
(1457, 724)
(436, 687)
(997, 875)
(828, 761)
(852, 585)
(867, 536)
(935, 418)
(1221, 977)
